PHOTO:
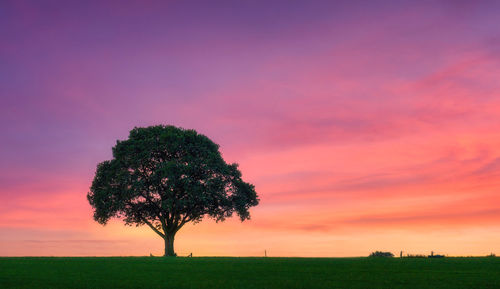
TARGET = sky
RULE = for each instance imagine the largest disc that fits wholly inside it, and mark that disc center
(364, 125)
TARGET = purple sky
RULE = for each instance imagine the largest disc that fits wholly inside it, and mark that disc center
(328, 106)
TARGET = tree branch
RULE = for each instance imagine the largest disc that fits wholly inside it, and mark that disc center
(184, 220)
(158, 209)
(163, 224)
(153, 227)
(145, 195)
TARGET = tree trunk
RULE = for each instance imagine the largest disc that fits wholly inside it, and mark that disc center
(169, 245)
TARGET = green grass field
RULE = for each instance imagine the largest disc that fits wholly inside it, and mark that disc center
(157, 272)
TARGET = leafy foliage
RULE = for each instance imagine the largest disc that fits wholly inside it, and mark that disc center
(164, 177)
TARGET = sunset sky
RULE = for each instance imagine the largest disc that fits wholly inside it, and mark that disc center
(364, 125)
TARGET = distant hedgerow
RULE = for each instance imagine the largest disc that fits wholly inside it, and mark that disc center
(415, 256)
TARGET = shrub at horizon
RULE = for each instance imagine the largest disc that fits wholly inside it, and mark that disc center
(381, 254)
(415, 256)
(164, 177)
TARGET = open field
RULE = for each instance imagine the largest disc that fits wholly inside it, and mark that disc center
(157, 272)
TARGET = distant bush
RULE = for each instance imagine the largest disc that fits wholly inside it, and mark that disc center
(491, 255)
(415, 256)
(381, 254)
(436, 256)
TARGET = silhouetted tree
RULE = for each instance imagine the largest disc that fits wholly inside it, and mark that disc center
(381, 254)
(165, 177)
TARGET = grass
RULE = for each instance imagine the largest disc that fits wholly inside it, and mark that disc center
(178, 273)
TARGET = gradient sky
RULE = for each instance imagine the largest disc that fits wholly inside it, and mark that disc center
(364, 125)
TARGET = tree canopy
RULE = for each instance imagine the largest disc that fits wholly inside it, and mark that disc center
(165, 177)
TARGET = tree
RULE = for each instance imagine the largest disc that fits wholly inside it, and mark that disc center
(381, 254)
(165, 177)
